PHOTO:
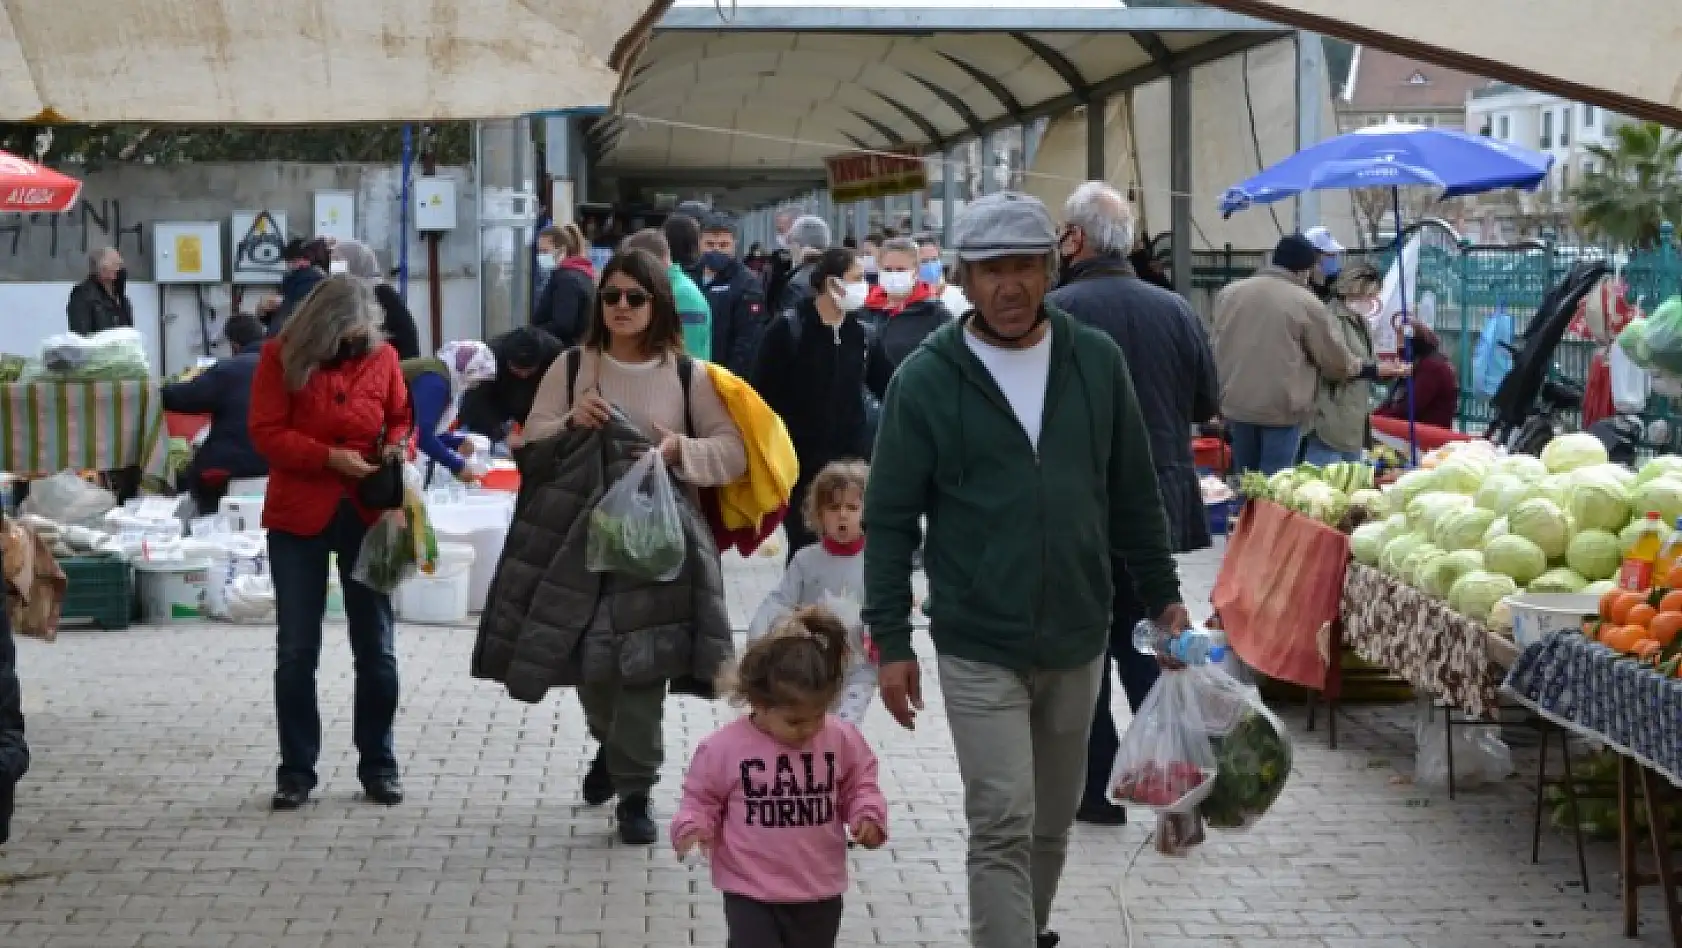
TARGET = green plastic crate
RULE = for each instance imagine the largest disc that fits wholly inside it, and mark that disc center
(100, 590)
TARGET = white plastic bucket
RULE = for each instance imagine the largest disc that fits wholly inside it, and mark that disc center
(442, 597)
(248, 487)
(483, 526)
(245, 514)
(172, 590)
(1537, 614)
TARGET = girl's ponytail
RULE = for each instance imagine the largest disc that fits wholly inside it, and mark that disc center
(802, 662)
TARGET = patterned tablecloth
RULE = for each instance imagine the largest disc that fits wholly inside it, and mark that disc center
(1586, 687)
(47, 427)
(1418, 638)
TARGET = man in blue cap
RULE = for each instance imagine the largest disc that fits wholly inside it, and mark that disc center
(1015, 433)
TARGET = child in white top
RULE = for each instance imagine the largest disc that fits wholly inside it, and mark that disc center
(831, 574)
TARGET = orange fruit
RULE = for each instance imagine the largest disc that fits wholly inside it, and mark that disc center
(1641, 615)
(1665, 627)
(1671, 601)
(1646, 649)
(1623, 604)
(1608, 599)
(1674, 578)
(1625, 638)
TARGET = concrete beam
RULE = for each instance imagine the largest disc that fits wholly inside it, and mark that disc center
(910, 18)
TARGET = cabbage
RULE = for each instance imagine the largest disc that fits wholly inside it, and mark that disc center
(1617, 473)
(1319, 500)
(1664, 465)
(1542, 523)
(1370, 500)
(1411, 485)
(1497, 529)
(1599, 503)
(1414, 565)
(1501, 617)
(1463, 529)
(1598, 588)
(1440, 574)
(1558, 580)
(1368, 541)
(1460, 475)
(1397, 550)
(1281, 485)
(1515, 556)
(1523, 466)
(1663, 496)
(1476, 593)
(1426, 509)
(1596, 554)
(1569, 452)
(1555, 487)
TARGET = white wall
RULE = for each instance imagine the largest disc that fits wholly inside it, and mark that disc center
(34, 311)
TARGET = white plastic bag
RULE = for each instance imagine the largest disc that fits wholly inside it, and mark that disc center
(1480, 756)
(1630, 383)
(69, 500)
(637, 527)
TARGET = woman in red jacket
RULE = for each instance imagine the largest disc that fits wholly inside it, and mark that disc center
(327, 402)
(1436, 387)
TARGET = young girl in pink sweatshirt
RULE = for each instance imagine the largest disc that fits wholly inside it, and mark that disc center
(770, 797)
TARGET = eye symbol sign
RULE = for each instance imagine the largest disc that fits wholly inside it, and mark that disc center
(262, 245)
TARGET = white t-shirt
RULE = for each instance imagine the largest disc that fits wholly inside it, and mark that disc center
(1022, 375)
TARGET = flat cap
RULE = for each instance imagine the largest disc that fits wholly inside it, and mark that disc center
(1005, 224)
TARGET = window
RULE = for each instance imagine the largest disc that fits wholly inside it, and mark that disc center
(1547, 129)
(1565, 126)
(1504, 126)
(1588, 116)
(1565, 178)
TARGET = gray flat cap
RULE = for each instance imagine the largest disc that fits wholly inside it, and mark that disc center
(1006, 224)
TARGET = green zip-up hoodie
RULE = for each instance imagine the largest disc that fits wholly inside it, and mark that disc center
(1021, 543)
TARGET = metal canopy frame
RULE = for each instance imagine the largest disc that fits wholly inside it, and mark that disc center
(892, 121)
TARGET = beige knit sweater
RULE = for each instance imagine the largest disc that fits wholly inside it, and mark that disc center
(649, 394)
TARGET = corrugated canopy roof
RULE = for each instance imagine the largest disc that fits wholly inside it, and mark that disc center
(781, 86)
(261, 62)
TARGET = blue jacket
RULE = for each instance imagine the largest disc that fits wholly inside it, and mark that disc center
(223, 392)
(429, 398)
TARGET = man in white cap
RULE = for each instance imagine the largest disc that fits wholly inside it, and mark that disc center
(1017, 436)
(1330, 264)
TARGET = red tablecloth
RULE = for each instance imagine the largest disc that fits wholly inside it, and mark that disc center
(1280, 587)
(1394, 432)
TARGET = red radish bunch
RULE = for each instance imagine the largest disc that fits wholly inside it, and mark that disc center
(1158, 784)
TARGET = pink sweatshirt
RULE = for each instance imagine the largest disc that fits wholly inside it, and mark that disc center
(779, 815)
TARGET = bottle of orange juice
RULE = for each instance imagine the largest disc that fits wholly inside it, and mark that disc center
(1669, 557)
(1642, 558)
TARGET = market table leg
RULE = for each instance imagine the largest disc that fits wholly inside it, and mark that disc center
(1658, 828)
(1626, 842)
(1541, 785)
(1448, 729)
(1571, 800)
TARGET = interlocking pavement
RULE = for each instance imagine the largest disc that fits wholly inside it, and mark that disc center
(144, 823)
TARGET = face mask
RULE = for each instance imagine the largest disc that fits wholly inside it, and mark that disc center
(868, 263)
(546, 261)
(931, 271)
(897, 282)
(338, 267)
(852, 296)
(1331, 266)
(716, 261)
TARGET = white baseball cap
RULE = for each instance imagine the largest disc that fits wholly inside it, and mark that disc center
(1322, 239)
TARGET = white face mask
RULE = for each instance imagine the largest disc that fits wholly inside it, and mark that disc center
(852, 296)
(546, 261)
(897, 282)
(867, 263)
(337, 267)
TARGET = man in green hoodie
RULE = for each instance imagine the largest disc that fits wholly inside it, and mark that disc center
(1016, 434)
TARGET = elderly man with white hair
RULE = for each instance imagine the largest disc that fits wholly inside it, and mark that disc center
(1015, 435)
(1174, 375)
(101, 301)
(807, 238)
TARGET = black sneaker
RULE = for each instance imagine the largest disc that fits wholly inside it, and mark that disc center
(1048, 940)
(385, 791)
(1101, 813)
(289, 797)
(636, 824)
(598, 783)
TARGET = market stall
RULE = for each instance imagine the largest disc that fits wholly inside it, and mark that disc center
(47, 427)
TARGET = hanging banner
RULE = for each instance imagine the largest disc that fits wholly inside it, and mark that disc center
(866, 176)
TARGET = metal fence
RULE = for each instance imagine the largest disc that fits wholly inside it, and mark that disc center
(1465, 284)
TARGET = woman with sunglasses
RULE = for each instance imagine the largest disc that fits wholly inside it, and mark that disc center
(630, 361)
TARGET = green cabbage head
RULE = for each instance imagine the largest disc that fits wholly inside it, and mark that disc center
(1515, 556)
(1541, 522)
(1474, 594)
(1596, 554)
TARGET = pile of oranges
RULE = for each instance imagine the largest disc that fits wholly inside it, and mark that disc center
(1646, 625)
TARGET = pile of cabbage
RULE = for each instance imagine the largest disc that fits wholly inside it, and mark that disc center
(1326, 494)
(1481, 526)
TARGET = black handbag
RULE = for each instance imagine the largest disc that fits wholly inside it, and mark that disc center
(383, 489)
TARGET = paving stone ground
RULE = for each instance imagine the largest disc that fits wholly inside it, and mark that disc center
(143, 823)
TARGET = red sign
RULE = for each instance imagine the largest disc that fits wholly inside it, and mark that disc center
(861, 177)
(26, 187)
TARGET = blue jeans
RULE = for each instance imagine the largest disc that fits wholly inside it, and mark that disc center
(1139, 673)
(1265, 448)
(1320, 454)
(299, 567)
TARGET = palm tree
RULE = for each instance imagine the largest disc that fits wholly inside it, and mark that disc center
(1636, 186)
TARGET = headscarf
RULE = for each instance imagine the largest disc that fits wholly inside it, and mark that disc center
(359, 259)
(469, 362)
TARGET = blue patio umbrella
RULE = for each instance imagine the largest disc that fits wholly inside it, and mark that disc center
(1396, 156)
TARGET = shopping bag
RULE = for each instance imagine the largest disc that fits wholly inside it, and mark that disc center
(1664, 338)
(636, 528)
(1493, 361)
(399, 544)
(1203, 750)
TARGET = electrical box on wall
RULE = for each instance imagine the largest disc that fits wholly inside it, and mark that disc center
(435, 204)
(187, 252)
(335, 215)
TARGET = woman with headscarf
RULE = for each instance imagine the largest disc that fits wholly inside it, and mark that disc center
(1436, 387)
(327, 403)
(400, 330)
(436, 387)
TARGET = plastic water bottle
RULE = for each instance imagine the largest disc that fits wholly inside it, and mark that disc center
(1188, 647)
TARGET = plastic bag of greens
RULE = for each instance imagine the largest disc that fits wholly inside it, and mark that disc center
(637, 527)
(399, 544)
(1664, 337)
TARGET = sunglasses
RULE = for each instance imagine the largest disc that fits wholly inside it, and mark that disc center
(635, 299)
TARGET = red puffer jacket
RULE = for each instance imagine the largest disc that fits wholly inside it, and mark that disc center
(346, 406)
